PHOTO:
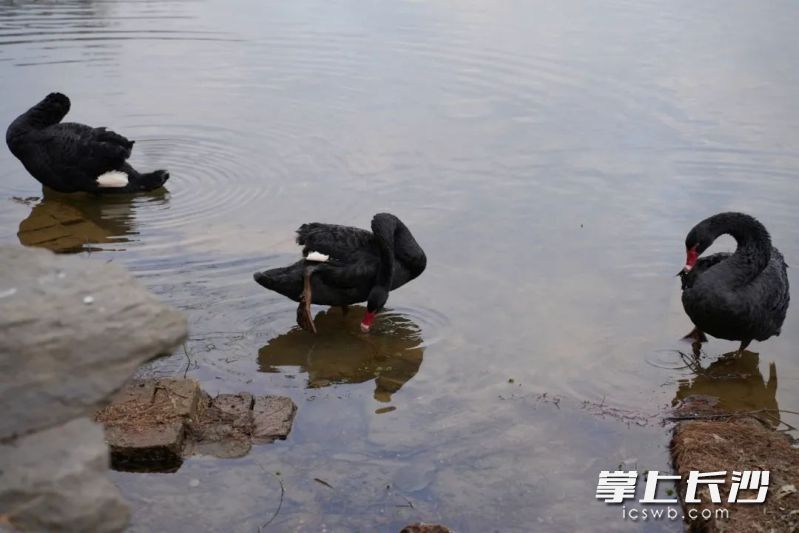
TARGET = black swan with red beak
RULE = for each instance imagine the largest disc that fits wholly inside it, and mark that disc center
(70, 157)
(343, 265)
(741, 296)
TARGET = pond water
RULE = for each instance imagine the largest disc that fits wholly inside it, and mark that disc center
(549, 157)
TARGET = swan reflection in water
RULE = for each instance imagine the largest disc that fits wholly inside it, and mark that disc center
(391, 355)
(74, 223)
(737, 383)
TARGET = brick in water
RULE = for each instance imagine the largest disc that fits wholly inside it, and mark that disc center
(234, 404)
(273, 416)
(146, 423)
(157, 447)
(141, 392)
(152, 424)
(226, 426)
(183, 394)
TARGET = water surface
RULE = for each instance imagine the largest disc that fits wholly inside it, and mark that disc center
(549, 157)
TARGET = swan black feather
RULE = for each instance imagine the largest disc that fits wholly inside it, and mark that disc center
(71, 157)
(362, 265)
(742, 296)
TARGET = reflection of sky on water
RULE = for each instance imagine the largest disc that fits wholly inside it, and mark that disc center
(550, 158)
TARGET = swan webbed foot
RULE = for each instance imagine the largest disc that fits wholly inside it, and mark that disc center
(304, 316)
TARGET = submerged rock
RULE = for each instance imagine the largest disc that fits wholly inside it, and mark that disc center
(151, 425)
(225, 428)
(72, 331)
(272, 418)
(146, 423)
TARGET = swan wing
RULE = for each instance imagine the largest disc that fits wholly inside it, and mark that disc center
(341, 243)
(91, 151)
(702, 265)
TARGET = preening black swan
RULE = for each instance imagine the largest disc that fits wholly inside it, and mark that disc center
(70, 157)
(343, 265)
(741, 296)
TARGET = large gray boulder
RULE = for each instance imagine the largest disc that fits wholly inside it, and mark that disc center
(72, 331)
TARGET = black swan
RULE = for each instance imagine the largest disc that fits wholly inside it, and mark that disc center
(741, 296)
(342, 265)
(70, 157)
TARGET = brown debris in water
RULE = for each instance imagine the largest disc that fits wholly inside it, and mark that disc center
(719, 441)
(421, 527)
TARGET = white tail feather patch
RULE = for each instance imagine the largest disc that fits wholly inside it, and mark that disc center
(318, 257)
(112, 179)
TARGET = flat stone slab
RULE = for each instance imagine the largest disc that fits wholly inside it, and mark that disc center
(226, 428)
(151, 425)
(75, 328)
(158, 448)
(273, 416)
(146, 423)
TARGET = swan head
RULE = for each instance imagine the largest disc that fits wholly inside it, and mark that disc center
(691, 255)
(699, 239)
(377, 299)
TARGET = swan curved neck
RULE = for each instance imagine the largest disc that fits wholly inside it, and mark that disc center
(753, 252)
(44, 114)
(398, 249)
(384, 227)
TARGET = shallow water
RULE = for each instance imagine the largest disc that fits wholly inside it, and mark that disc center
(550, 158)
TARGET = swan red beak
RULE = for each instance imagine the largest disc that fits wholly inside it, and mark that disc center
(366, 323)
(690, 260)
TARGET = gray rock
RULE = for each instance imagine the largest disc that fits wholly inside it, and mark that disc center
(152, 424)
(158, 448)
(273, 417)
(71, 332)
(55, 480)
(224, 431)
(145, 423)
